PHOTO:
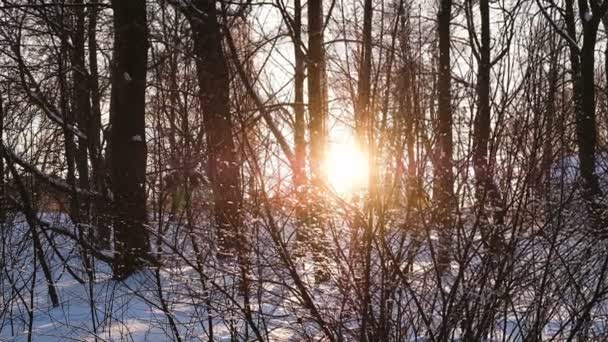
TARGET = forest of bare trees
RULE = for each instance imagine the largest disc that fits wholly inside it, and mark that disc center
(303, 170)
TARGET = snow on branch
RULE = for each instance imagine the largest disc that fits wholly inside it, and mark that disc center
(56, 182)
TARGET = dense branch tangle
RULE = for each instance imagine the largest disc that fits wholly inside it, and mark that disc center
(195, 147)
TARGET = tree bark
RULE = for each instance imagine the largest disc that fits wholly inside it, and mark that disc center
(586, 130)
(444, 176)
(300, 122)
(364, 124)
(299, 179)
(481, 132)
(222, 163)
(2, 169)
(582, 64)
(362, 114)
(551, 110)
(128, 145)
(81, 102)
(316, 93)
(98, 169)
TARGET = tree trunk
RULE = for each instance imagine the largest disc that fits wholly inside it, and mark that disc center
(316, 93)
(300, 124)
(362, 114)
(582, 63)
(444, 176)
(585, 115)
(2, 169)
(81, 103)
(364, 124)
(485, 189)
(213, 79)
(551, 110)
(128, 145)
(67, 120)
(98, 170)
(299, 179)
(482, 118)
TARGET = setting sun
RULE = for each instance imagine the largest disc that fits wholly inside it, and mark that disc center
(346, 168)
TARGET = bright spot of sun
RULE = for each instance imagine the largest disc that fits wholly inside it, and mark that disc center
(346, 168)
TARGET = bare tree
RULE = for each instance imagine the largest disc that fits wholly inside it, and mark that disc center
(213, 78)
(316, 86)
(128, 135)
(444, 174)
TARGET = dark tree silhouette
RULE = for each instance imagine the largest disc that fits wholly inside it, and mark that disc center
(444, 174)
(213, 79)
(128, 135)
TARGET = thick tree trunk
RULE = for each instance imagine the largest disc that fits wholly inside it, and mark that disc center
(482, 118)
(316, 93)
(444, 176)
(213, 79)
(317, 110)
(583, 63)
(362, 112)
(586, 131)
(128, 144)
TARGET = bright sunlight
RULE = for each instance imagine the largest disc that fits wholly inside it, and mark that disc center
(346, 168)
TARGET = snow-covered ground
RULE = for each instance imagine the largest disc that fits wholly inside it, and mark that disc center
(546, 280)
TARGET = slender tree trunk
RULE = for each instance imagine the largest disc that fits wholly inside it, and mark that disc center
(2, 169)
(362, 112)
(300, 179)
(94, 122)
(68, 120)
(213, 79)
(444, 176)
(98, 171)
(81, 102)
(81, 111)
(482, 118)
(407, 99)
(485, 189)
(551, 109)
(364, 126)
(128, 144)
(300, 124)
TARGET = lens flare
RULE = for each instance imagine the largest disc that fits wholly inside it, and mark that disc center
(346, 168)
